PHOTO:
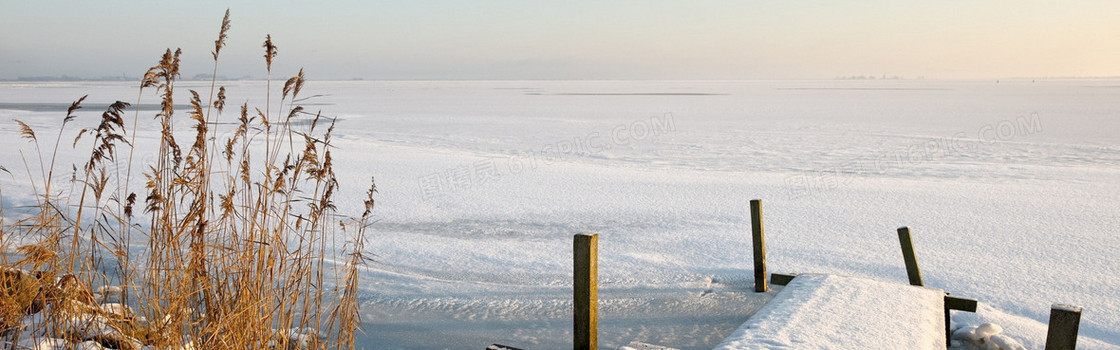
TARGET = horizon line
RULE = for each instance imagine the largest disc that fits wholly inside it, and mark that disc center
(65, 79)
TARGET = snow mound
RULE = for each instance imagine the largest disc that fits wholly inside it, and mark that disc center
(987, 336)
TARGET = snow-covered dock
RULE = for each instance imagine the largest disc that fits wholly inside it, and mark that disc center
(837, 312)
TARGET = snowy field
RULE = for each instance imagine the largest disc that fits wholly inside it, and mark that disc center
(1011, 189)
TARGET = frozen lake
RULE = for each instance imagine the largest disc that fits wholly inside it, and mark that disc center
(1011, 189)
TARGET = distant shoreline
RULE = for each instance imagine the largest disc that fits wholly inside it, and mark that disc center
(68, 79)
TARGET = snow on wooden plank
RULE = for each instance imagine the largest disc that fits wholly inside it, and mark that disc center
(837, 312)
(643, 346)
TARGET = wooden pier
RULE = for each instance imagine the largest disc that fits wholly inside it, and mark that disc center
(815, 311)
(839, 312)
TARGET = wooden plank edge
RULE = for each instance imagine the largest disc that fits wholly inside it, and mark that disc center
(781, 279)
(960, 303)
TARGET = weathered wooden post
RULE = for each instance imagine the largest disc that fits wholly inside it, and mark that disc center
(955, 303)
(1064, 321)
(759, 241)
(948, 321)
(586, 289)
(912, 270)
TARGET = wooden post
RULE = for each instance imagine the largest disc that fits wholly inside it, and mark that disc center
(1064, 321)
(948, 325)
(586, 288)
(955, 303)
(912, 270)
(759, 242)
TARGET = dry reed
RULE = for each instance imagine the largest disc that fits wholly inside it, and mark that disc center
(229, 250)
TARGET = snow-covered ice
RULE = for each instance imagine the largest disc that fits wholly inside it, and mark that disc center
(1011, 191)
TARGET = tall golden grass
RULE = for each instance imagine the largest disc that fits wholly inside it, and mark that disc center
(224, 247)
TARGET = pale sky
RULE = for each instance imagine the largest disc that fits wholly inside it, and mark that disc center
(570, 39)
